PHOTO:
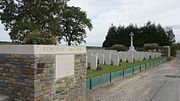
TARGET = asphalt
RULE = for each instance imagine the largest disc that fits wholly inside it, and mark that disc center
(161, 83)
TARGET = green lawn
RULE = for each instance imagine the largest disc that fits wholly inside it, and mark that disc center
(109, 68)
(6, 43)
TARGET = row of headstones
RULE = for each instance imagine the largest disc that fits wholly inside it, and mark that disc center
(111, 57)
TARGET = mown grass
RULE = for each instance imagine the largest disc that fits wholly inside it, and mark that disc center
(109, 68)
(7, 43)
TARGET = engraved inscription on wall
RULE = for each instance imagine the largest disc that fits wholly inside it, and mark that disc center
(64, 66)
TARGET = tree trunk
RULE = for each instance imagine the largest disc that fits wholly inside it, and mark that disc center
(69, 43)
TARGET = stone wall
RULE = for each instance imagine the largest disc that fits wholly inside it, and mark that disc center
(17, 76)
(31, 77)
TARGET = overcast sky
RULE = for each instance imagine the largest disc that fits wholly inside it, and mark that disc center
(105, 12)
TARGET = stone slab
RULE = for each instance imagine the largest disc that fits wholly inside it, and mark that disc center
(64, 66)
(41, 49)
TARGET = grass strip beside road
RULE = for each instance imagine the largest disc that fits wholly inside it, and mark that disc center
(109, 68)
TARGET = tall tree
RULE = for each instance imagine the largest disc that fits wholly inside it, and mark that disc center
(74, 23)
(149, 33)
(111, 37)
(24, 16)
(53, 17)
(170, 35)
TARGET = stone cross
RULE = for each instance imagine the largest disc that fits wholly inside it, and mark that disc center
(131, 38)
(131, 48)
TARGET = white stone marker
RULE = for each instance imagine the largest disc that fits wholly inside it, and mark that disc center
(136, 56)
(123, 55)
(147, 55)
(141, 56)
(108, 59)
(120, 56)
(152, 55)
(115, 59)
(130, 57)
(101, 59)
(93, 62)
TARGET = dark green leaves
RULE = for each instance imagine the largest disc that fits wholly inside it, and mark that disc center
(149, 33)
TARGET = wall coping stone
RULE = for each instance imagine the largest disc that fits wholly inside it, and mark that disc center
(41, 49)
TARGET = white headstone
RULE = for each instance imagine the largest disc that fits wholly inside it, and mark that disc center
(101, 59)
(136, 56)
(108, 59)
(147, 55)
(130, 57)
(115, 59)
(141, 56)
(120, 56)
(93, 62)
(152, 55)
(123, 55)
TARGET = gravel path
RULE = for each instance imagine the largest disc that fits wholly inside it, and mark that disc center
(161, 83)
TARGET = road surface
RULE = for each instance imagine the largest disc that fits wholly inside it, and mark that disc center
(161, 83)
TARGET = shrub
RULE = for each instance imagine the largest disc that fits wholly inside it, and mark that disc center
(151, 47)
(40, 37)
(119, 47)
(174, 48)
(170, 58)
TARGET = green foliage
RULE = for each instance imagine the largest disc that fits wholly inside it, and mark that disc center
(111, 38)
(74, 23)
(6, 43)
(149, 33)
(22, 17)
(152, 46)
(119, 47)
(174, 48)
(39, 37)
(170, 58)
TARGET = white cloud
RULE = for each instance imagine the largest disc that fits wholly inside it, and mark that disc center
(104, 12)
(124, 12)
(4, 36)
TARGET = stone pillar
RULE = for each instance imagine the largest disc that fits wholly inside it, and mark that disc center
(167, 51)
(33, 73)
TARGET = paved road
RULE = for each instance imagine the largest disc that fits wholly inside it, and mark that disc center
(161, 83)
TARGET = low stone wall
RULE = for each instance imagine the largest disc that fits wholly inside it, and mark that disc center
(31, 76)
